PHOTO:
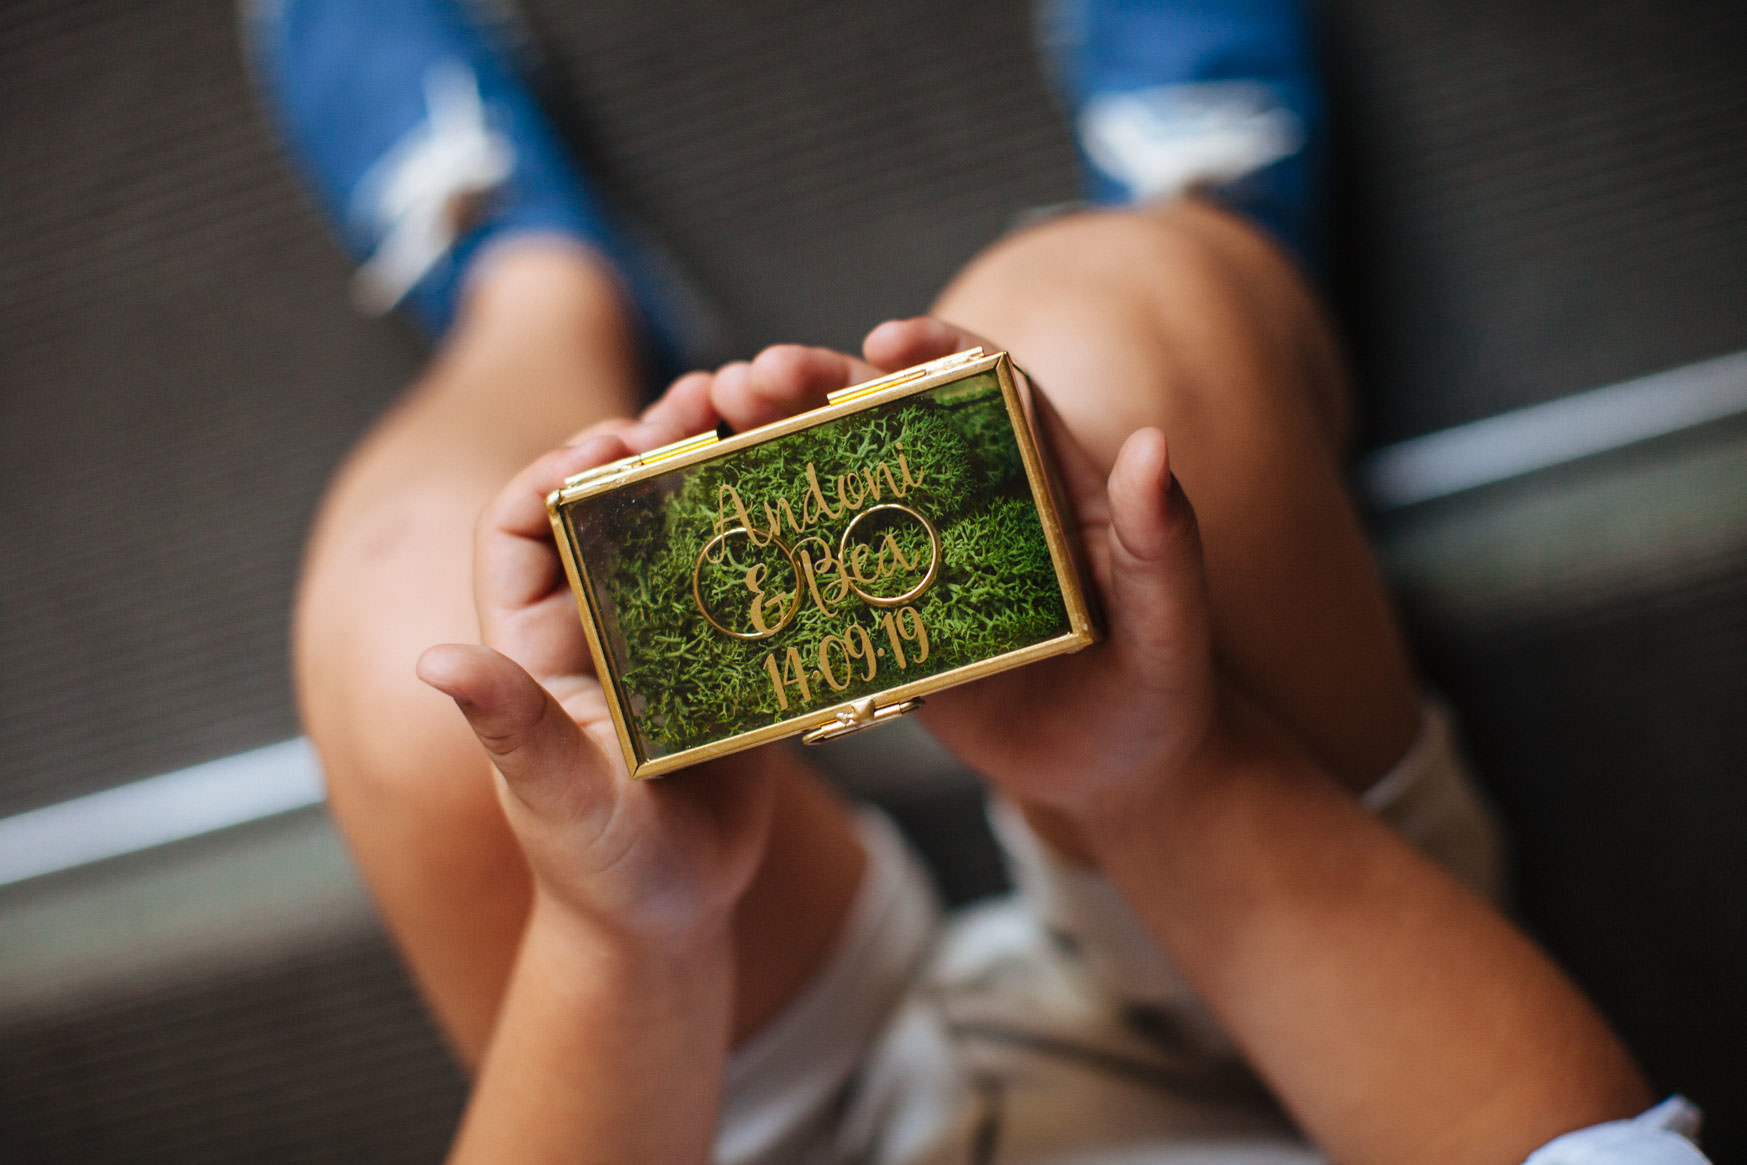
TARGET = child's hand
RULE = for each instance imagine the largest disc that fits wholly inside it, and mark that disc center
(651, 860)
(1088, 734)
(1083, 734)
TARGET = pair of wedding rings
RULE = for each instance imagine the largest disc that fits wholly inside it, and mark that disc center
(842, 558)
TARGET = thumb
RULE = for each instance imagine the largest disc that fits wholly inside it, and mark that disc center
(1159, 618)
(544, 757)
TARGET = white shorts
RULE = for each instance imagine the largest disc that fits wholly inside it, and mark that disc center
(1045, 1026)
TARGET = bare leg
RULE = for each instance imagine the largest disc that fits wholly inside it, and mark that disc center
(542, 348)
(1176, 317)
(1181, 317)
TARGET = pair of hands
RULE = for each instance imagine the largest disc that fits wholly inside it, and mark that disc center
(1088, 738)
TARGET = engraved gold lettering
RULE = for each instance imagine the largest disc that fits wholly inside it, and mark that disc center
(826, 565)
(871, 475)
(904, 467)
(755, 576)
(845, 482)
(781, 506)
(858, 555)
(890, 542)
(729, 496)
(814, 507)
(853, 644)
(853, 488)
(825, 576)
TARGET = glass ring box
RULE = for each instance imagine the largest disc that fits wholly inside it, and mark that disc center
(823, 573)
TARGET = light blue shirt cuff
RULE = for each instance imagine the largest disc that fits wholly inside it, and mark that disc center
(1658, 1137)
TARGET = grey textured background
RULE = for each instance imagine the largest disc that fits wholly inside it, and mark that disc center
(1539, 198)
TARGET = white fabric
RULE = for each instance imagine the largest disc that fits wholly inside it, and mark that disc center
(1430, 799)
(1046, 1028)
(783, 1087)
(1658, 1137)
(417, 197)
(1171, 139)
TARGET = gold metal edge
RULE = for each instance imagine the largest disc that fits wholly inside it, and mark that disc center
(1063, 644)
(1046, 494)
(678, 448)
(904, 376)
(707, 450)
(582, 590)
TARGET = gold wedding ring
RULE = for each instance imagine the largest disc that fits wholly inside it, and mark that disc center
(703, 609)
(894, 600)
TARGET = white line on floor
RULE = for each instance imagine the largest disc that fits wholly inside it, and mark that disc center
(1515, 443)
(229, 791)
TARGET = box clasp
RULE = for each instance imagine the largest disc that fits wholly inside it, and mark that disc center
(857, 715)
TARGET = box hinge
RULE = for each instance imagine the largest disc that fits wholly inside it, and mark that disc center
(869, 387)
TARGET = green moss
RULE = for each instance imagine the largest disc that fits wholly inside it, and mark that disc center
(950, 454)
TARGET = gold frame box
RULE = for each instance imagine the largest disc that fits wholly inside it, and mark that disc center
(822, 574)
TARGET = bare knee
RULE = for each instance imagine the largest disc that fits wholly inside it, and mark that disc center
(1182, 297)
(1184, 319)
(384, 578)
